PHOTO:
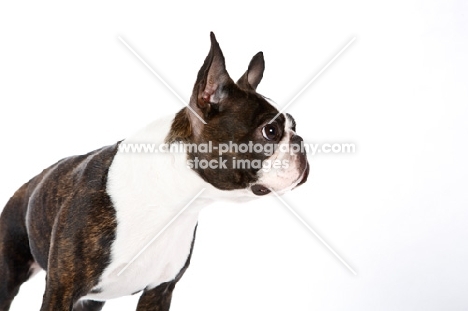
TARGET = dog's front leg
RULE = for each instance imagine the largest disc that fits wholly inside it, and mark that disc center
(60, 296)
(74, 266)
(57, 297)
(66, 283)
(157, 299)
(64, 277)
(63, 280)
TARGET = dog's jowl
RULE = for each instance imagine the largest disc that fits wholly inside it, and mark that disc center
(85, 219)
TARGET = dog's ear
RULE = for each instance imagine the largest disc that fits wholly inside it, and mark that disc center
(212, 80)
(254, 74)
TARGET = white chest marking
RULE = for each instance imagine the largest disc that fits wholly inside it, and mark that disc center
(147, 191)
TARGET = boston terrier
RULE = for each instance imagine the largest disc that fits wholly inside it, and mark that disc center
(112, 222)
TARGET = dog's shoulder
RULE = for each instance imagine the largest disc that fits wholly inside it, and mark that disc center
(88, 171)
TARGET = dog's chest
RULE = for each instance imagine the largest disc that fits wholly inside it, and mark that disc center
(148, 192)
(159, 256)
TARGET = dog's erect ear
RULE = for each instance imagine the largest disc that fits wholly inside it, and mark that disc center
(210, 88)
(212, 79)
(254, 74)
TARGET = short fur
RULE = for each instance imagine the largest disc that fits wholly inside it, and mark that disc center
(85, 217)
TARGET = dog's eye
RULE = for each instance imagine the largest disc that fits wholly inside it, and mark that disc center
(270, 132)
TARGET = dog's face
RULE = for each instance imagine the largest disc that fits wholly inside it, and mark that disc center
(253, 147)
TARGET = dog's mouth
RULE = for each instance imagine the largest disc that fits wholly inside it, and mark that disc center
(260, 190)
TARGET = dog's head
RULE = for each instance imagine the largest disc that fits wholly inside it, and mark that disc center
(243, 141)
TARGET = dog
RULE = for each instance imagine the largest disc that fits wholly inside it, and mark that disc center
(110, 223)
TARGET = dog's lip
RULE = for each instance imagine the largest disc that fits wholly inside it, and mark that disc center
(260, 190)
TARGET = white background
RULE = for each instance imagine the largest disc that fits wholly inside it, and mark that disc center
(396, 210)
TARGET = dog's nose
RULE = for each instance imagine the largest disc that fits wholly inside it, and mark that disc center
(298, 141)
(260, 190)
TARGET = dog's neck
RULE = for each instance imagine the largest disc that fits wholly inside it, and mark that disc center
(181, 130)
(136, 176)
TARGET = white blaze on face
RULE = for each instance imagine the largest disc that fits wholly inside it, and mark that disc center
(286, 168)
